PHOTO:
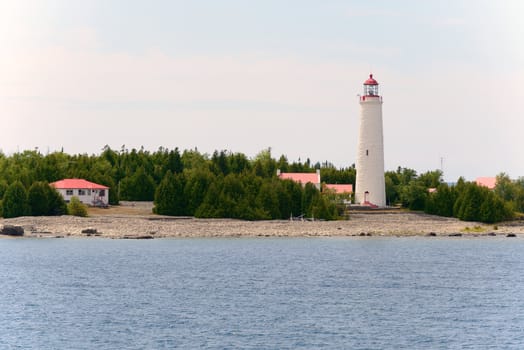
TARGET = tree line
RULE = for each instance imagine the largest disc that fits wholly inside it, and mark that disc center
(224, 184)
(228, 184)
(464, 200)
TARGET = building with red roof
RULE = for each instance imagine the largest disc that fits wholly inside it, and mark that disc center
(314, 178)
(489, 182)
(87, 192)
(339, 188)
(302, 178)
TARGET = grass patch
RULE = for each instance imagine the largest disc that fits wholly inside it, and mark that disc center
(128, 209)
(474, 229)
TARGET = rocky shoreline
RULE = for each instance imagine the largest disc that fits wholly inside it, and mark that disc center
(401, 224)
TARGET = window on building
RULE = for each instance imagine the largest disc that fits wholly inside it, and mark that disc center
(81, 192)
(102, 193)
(69, 192)
(367, 152)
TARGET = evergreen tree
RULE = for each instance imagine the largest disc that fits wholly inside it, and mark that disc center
(138, 187)
(38, 199)
(165, 196)
(174, 162)
(323, 208)
(57, 205)
(441, 202)
(413, 196)
(3, 188)
(290, 198)
(14, 202)
(267, 201)
(210, 207)
(196, 186)
(309, 195)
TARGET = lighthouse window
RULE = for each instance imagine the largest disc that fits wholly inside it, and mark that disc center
(367, 152)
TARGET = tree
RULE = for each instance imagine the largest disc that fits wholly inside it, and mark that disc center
(290, 198)
(264, 165)
(413, 196)
(430, 179)
(472, 198)
(323, 209)
(267, 201)
(164, 196)
(139, 187)
(196, 186)
(3, 188)
(309, 195)
(504, 187)
(219, 163)
(174, 162)
(15, 201)
(38, 199)
(169, 195)
(442, 201)
(57, 205)
(392, 195)
(477, 203)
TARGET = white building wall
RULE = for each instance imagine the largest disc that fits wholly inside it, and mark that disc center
(370, 156)
(88, 198)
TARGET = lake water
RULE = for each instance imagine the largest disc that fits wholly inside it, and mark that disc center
(300, 293)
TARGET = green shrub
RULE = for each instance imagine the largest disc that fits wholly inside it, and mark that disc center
(76, 208)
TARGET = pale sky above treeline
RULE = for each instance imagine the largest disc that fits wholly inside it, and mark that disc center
(247, 75)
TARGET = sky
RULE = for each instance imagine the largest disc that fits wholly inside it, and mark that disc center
(244, 76)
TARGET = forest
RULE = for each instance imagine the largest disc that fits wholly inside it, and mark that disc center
(226, 184)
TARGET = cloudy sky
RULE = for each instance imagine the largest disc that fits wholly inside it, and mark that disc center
(244, 75)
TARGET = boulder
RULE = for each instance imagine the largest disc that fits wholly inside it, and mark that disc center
(12, 230)
(138, 237)
(512, 235)
(89, 231)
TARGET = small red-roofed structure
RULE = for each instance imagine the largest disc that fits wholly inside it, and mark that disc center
(87, 192)
(340, 188)
(302, 178)
(489, 182)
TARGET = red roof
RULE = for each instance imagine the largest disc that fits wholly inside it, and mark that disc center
(489, 182)
(340, 188)
(303, 178)
(77, 183)
(371, 81)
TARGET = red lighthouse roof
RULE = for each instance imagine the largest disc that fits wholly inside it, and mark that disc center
(371, 81)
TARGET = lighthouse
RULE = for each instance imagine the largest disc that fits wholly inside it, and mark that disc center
(370, 185)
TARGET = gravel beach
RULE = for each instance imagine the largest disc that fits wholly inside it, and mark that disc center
(112, 224)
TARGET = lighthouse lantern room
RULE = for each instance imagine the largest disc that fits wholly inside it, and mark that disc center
(371, 87)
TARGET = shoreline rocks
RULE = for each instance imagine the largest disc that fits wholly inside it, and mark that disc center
(12, 230)
(400, 224)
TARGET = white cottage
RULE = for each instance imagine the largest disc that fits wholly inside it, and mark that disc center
(87, 192)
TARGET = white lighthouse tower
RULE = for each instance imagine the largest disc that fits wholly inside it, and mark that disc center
(370, 185)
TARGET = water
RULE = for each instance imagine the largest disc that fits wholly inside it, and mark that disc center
(331, 293)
